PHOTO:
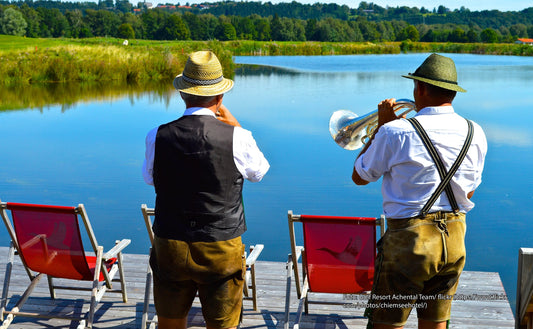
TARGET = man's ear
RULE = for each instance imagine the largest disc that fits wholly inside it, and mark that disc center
(421, 88)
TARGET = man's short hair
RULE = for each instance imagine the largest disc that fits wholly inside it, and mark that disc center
(440, 93)
(195, 100)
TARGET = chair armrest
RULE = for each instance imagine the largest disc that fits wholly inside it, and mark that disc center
(298, 252)
(117, 248)
(256, 251)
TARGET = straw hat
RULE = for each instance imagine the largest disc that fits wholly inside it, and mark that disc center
(202, 76)
(439, 71)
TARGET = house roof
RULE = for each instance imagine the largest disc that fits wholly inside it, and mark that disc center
(526, 40)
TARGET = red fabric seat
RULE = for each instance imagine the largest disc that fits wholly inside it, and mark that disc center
(338, 257)
(57, 248)
(49, 241)
(340, 253)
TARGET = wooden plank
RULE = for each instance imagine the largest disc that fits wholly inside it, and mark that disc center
(482, 311)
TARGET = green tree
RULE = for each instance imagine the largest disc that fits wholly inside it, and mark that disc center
(174, 28)
(123, 6)
(135, 22)
(125, 31)
(33, 19)
(429, 36)
(225, 31)
(489, 36)
(458, 35)
(245, 28)
(334, 30)
(311, 28)
(194, 24)
(262, 26)
(368, 30)
(412, 33)
(102, 22)
(386, 31)
(518, 31)
(442, 10)
(151, 22)
(13, 22)
(472, 36)
(78, 27)
(209, 24)
(106, 4)
(276, 28)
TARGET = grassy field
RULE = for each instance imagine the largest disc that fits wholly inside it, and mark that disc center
(26, 60)
(29, 60)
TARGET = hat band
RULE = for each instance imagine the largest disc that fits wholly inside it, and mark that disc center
(434, 79)
(202, 82)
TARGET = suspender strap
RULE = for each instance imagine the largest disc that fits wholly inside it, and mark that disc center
(446, 177)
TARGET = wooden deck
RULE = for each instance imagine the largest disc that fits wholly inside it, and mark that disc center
(485, 304)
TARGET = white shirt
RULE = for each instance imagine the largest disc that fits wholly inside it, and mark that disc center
(409, 174)
(249, 160)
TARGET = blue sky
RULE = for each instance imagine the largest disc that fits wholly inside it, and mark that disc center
(474, 5)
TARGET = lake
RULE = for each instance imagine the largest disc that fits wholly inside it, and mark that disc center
(91, 150)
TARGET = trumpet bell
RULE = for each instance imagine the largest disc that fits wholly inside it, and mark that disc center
(350, 131)
(343, 130)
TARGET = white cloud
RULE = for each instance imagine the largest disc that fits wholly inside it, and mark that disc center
(502, 135)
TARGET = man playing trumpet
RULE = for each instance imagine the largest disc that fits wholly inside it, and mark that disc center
(431, 167)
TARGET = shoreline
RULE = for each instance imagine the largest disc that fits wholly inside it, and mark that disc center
(29, 61)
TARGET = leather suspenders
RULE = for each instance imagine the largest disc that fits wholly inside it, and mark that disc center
(445, 177)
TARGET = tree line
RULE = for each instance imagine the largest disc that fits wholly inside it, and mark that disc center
(230, 20)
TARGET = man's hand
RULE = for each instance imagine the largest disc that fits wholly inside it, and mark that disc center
(224, 115)
(386, 111)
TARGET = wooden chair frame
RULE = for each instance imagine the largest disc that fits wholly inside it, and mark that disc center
(249, 278)
(97, 291)
(301, 281)
(524, 291)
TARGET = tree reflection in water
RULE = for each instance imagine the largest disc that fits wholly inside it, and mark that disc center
(67, 95)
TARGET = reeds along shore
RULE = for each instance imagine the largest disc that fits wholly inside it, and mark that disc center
(102, 60)
(105, 59)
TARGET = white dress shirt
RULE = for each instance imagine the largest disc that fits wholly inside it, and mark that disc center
(249, 160)
(409, 174)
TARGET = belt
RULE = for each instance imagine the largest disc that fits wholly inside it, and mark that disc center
(438, 218)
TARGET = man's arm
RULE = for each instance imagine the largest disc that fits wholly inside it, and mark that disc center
(357, 179)
(385, 114)
(148, 163)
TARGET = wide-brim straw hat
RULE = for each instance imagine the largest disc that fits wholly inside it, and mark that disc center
(439, 71)
(202, 76)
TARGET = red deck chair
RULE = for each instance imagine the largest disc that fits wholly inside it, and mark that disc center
(337, 257)
(249, 279)
(49, 242)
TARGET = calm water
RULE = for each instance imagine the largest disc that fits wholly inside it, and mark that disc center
(91, 152)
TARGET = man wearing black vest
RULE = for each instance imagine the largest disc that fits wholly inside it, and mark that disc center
(197, 165)
(431, 164)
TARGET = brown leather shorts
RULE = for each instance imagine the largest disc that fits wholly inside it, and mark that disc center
(213, 269)
(418, 265)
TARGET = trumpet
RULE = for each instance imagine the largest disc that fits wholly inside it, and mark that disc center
(351, 132)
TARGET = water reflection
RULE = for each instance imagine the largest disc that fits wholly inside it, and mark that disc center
(67, 95)
(89, 145)
(264, 70)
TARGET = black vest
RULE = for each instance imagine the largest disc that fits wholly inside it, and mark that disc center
(198, 186)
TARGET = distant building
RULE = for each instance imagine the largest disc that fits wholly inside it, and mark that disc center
(148, 5)
(524, 41)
